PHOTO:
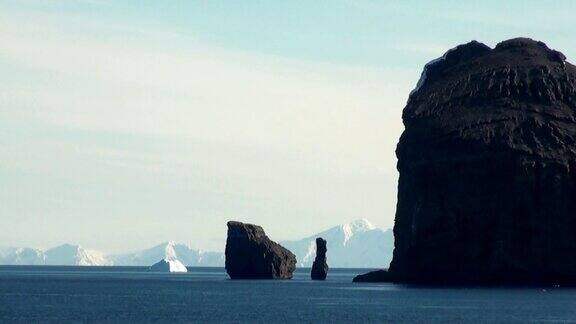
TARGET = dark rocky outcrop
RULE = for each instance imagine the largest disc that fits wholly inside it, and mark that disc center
(374, 276)
(320, 267)
(250, 254)
(487, 162)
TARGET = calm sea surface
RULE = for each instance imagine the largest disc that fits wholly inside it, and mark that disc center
(131, 294)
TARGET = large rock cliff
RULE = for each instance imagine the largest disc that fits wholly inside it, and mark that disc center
(250, 254)
(487, 162)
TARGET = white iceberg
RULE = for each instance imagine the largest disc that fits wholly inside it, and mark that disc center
(168, 265)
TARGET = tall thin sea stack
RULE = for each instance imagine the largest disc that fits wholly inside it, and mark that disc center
(320, 267)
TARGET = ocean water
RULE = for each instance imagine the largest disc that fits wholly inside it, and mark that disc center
(131, 294)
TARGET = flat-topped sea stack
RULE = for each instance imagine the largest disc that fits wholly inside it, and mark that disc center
(250, 254)
(487, 162)
(320, 267)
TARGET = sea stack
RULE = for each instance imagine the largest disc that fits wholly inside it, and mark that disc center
(487, 162)
(320, 267)
(250, 254)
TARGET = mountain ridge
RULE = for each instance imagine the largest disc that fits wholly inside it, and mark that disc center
(64, 254)
(354, 244)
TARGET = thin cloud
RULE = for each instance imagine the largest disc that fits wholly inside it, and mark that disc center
(128, 127)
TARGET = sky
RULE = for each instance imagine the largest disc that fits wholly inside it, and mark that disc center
(124, 124)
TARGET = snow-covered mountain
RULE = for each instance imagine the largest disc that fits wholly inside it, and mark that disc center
(68, 254)
(23, 256)
(65, 254)
(354, 245)
(172, 251)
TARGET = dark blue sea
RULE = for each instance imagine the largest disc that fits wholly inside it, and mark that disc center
(131, 294)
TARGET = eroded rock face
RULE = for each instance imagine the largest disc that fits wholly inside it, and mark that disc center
(250, 254)
(320, 267)
(487, 162)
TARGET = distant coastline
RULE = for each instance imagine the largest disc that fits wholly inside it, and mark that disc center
(357, 244)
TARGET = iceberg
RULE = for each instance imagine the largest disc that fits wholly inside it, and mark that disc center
(168, 265)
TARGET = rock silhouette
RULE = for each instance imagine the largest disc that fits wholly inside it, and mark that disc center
(250, 254)
(374, 276)
(320, 267)
(487, 162)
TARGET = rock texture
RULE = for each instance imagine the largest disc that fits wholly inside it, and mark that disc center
(250, 254)
(320, 267)
(487, 162)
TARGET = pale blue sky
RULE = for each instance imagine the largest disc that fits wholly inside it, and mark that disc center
(128, 123)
